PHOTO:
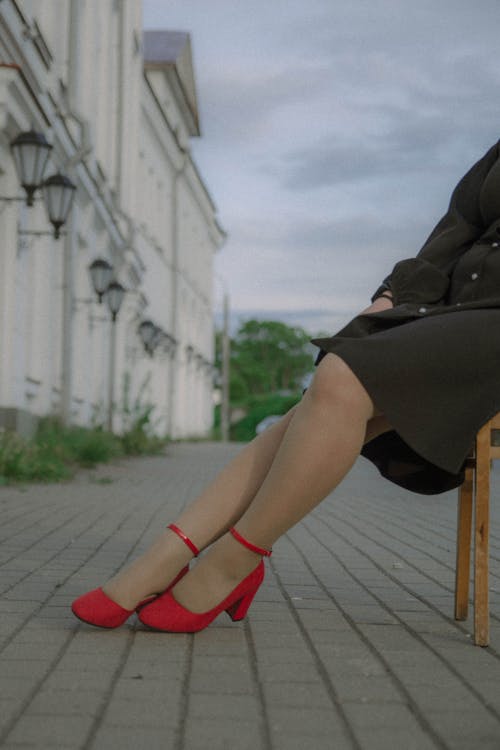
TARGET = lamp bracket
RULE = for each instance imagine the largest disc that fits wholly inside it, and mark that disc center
(39, 233)
(78, 157)
(20, 198)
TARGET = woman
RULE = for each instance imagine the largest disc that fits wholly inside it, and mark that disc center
(407, 383)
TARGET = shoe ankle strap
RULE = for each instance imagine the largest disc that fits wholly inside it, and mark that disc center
(194, 549)
(249, 545)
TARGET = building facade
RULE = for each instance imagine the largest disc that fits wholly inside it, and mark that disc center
(119, 108)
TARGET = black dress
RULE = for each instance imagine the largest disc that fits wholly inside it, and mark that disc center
(431, 364)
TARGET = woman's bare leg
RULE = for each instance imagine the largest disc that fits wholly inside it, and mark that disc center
(320, 445)
(212, 513)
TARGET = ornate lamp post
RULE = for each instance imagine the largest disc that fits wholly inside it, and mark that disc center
(100, 273)
(58, 193)
(147, 330)
(31, 153)
(157, 338)
(114, 297)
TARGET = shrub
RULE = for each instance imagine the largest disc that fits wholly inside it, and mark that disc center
(260, 407)
(138, 437)
(77, 445)
(22, 460)
(139, 440)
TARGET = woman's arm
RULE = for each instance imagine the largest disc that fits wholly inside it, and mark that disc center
(379, 304)
(426, 277)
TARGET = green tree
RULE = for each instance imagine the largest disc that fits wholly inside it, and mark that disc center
(269, 361)
(270, 356)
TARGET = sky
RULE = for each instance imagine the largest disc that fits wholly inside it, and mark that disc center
(333, 133)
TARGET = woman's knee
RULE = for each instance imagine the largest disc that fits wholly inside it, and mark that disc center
(335, 381)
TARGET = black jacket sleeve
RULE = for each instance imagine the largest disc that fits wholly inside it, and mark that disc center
(426, 277)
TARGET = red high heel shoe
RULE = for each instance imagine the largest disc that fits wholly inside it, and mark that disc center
(165, 613)
(96, 608)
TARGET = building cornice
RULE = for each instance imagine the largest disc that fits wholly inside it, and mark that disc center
(209, 210)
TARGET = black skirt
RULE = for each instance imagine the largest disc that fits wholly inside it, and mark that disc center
(437, 380)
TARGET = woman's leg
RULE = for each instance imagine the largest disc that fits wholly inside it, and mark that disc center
(320, 445)
(218, 507)
(211, 514)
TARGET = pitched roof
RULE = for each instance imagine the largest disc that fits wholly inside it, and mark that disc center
(164, 46)
(170, 52)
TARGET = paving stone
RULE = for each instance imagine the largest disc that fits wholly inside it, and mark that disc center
(278, 655)
(350, 643)
(8, 709)
(68, 730)
(158, 710)
(388, 716)
(460, 729)
(66, 703)
(130, 738)
(288, 672)
(210, 706)
(382, 738)
(297, 695)
(307, 721)
(154, 669)
(223, 735)
(366, 688)
(233, 681)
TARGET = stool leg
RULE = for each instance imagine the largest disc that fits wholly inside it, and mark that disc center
(481, 538)
(464, 528)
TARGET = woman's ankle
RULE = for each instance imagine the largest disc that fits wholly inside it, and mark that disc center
(232, 558)
(151, 572)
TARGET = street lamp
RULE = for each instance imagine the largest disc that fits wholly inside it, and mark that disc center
(58, 193)
(147, 332)
(100, 273)
(114, 296)
(31, 152)
(157, 337)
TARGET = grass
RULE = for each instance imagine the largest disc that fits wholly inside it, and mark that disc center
(57, 452)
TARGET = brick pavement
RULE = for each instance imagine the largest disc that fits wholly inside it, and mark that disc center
(349, 645)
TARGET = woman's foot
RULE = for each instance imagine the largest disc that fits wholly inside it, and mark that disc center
(215, 575)
(159, 569)
(151, 573)
(226, 579)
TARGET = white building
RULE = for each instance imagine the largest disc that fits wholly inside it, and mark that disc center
(119, 108)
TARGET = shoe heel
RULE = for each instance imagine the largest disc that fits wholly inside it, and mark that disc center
(238, 610)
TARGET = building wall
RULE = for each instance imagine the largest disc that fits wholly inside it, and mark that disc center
(74, 70)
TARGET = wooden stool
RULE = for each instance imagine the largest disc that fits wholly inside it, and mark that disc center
(475, 491)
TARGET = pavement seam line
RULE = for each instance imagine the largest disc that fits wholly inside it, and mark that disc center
(412, 632)
(409, 700)
(18, 715)
(76, 629)
(325, 677)
(5, 643)
(254, 668)
(455, 623)
(417, 548)
(185, 695)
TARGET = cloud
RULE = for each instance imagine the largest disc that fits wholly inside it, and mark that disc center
(333, 134)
